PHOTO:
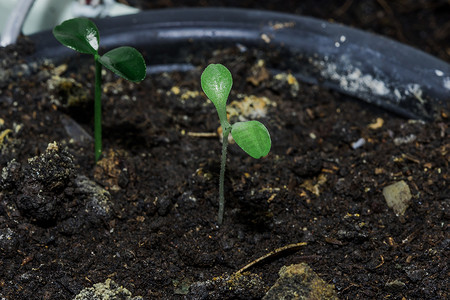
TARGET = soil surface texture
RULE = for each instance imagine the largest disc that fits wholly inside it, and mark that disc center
(355, 198)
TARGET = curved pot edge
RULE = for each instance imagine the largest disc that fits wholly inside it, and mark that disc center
(372, 68)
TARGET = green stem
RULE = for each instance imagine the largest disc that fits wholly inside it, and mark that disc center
(226, 132)
(98, 110)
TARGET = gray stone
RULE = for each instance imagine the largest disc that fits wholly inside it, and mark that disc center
(108, 290)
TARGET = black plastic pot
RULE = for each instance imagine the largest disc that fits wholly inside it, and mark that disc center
(372, 68)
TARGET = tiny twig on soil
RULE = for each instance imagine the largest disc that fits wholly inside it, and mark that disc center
(202, 134)
(382, 262)
(275, 252)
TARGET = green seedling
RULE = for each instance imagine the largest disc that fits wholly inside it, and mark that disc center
(252, 136)
(82, 35)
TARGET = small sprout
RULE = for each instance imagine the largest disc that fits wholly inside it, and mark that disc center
(252, 136)
(81, 35)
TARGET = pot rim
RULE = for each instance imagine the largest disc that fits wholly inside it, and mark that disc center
(361, 64)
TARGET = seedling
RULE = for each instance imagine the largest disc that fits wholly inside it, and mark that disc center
(82, 35)
(252, 136)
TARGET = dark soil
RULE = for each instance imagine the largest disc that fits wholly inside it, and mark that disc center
(145, 215)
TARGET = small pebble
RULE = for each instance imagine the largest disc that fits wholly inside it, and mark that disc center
(398, 197)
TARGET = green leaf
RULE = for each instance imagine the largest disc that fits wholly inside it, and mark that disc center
(253, 137)
(79, 34)
(216, 82)
(126, 62)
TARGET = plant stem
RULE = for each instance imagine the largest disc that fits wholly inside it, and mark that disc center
(98, 110)
(226, 132)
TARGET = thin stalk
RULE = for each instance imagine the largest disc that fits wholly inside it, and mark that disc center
(98, 110)
(222, 174)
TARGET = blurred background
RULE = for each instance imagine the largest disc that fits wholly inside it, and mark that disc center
(423, 24)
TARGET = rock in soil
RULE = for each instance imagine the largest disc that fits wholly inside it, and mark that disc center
(300, 282)
(108, 290)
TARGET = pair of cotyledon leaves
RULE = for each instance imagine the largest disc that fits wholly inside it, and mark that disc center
(252, 136)
(81, 34)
